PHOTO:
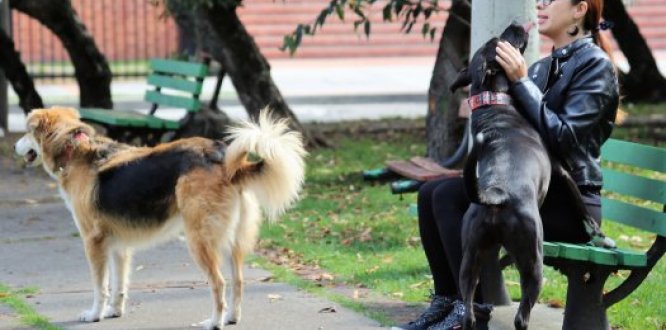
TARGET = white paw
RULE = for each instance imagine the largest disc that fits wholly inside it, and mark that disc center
(232, 318)
(112, 312)
(210, 325)
(90, 316)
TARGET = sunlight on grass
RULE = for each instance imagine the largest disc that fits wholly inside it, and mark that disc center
(364, 236)
(12, 299)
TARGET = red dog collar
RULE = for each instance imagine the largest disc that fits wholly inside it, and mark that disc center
(488, 98)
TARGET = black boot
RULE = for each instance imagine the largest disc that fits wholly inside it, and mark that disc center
(454, 321)
(440, 306)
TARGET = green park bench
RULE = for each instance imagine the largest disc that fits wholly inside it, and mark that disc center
(627, 191)
(173, 84)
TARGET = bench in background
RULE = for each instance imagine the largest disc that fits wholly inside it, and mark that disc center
(175, 84)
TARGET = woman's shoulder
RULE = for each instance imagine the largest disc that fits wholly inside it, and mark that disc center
(592, 54)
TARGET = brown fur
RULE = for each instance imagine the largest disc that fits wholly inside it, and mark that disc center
(217, 206)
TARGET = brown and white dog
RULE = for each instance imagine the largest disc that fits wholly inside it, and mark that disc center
(124, 197)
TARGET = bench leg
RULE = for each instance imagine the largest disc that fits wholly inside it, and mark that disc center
(492, 282)
(585, 308)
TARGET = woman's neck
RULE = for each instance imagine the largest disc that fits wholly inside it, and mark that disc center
(565, 39)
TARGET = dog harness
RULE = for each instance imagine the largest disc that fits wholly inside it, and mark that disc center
(488, 98)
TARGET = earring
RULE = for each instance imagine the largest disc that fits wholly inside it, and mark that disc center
(575, 31)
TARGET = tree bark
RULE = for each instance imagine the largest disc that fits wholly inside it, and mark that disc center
(91, 68)
(16, 73)
(248, 69)
(443, 127)
(643, 82)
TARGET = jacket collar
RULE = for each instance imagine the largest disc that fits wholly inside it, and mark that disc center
(566, 51)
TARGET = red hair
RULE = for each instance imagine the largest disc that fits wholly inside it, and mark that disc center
(591, 23)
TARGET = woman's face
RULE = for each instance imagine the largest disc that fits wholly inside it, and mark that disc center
(559, 16)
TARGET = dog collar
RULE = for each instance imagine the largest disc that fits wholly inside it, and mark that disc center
(488, 98)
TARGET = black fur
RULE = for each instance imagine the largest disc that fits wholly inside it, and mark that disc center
(143, 190)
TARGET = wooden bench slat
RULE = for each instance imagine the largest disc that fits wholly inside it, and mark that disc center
(551, 249)
(189, 86)
(574, 252)
(190, 104)
(603, 256)
(634, 185)
(634, 154)
(632, 258)
(191, 69)
(126, 118)
(635, 216)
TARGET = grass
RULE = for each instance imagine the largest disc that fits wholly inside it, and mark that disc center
(27, 315)
(364, 236)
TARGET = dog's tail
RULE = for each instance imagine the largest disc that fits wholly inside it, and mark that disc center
(266, 158)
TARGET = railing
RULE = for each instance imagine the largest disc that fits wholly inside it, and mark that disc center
(127, 32)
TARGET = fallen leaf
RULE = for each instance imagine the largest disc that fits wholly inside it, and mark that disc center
(512, 283)
(273, 297)
(326, 277)
(397, 294)
(328, 310)
(355, 294)
(268, 278)
(555, 303)
(373, 269)
(4, 294)
(138, 268)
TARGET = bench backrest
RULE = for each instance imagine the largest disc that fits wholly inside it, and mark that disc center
(177, 84)
(626, 168)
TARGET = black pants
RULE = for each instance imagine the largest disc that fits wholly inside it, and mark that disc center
(442, 204)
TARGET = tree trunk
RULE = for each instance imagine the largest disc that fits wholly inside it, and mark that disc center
(643, 82)
(90, 66)
(248, 69)
(443, 127)
(14, 69)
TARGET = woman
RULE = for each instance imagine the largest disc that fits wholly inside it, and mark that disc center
(571, 98)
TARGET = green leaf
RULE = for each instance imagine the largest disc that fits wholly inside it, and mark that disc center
(340, 11)
(425, 29)
(366, 28)
(432, 33)
(386, 12)
(357, 23)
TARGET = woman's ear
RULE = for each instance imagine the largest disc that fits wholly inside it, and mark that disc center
(580, 10)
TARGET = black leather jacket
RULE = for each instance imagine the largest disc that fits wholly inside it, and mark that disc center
(573, 107)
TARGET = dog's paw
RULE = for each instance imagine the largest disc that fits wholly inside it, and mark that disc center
(210, 325)
(233, 317)
(112, 312)
(90, 316)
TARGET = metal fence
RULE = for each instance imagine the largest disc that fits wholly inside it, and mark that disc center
(127, 32)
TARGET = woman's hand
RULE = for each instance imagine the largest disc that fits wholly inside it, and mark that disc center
(511, 60)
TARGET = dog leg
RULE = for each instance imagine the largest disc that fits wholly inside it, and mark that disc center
(207, 257)
(237, 258)
(470, 267)
(97, 254)
(528, 254)
(121, 262)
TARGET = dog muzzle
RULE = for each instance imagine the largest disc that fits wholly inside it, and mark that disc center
(27, 148)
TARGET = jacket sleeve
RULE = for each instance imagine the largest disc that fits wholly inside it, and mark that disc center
(593, 88)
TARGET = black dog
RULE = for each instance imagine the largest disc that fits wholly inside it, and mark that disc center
(507, 175)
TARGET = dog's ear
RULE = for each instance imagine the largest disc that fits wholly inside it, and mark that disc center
(35, 119)
(463, 79)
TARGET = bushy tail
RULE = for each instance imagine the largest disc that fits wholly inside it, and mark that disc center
(266, 158)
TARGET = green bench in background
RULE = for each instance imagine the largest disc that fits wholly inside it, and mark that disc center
(627, 191)
(176, 84)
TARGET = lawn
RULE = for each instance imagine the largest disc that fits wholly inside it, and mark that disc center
(363, 237)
